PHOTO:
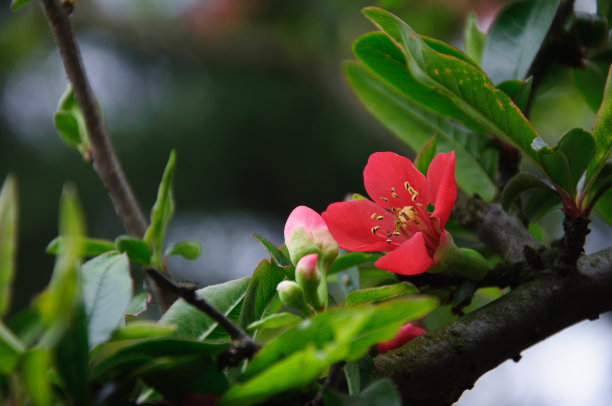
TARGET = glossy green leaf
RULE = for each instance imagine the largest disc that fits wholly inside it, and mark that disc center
(426, 154)
(590, 82)
(351, 259)
(578, 146)
(276, 320)
(518, 90)
(516, 37)
(142, 329)
(17, 4)
(604, 206)
(162, 212)
(519, 184)
(107, 292)
(369, 278)
(35, 364)
(70, 124)
(447, 49)
(602, 133)
(298, 370)
(138, 304)
(377, 294)
(73, 352)
(8, 240)
(540, 203)
(467, 87)
(375, 323)
(11, 349)
(473, 38)
(137, 250)
(191, 322)
(91, 247)
(383, 56)
(278, 256)
(381, 392)
(187, 249)
(556, 166)
(261, 291)
(415, 125)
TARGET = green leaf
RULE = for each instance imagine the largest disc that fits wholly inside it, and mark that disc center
(276, 320)
(191, 322)
(602, 133)
(277, 254)
(426, 154)
(298, 370)
(261, 291)
(11, 349)
(540, 203)
(519, 184)
(35, 364)
(107, 292)
(178, 378)
(518, 90)
(385, 58)
(91, 247)
(73, 355)
(578, 146)
(138, 304)
(377, 294)
(590, 82)
(466, 86)
(473, 38)
(352, 259)
(516, 37)
(70, 124)
(556, 167)
(374, 324)
(369, 278)
(17, 4)
(381, 392)
(8, 240)
(162, 211)
(415, 125)
(353, 381)
(57, 304)
(604, 206)
(121, 358)
(142, 329)
(188, 249)
(137, 250)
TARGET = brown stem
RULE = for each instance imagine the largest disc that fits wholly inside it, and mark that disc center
(105, 161)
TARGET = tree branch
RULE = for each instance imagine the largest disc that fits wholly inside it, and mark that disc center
(436, 368)
(104, 158)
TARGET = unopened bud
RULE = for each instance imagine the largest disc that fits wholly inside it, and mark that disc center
(292, 295)
(308, 277)
(306, 233)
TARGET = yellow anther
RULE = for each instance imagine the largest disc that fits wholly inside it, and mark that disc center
(396, 233)
(379, 218)
(388, 241)
(394, 195)
(407, 185)
(384, 199)
(375, 229)
(373, 216)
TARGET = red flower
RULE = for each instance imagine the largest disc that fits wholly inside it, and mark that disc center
(407, 332)
(398, 220)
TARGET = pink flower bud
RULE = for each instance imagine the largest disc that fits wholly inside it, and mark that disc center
(306, 233)
(406, 333)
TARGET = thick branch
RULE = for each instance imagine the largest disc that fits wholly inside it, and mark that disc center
(105, 161)
(436, 368)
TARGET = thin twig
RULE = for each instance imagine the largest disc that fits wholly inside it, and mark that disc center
(104, 158)
(189, 295)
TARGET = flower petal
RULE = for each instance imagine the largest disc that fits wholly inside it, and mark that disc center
(387, 177)
(351, 224)
(406, 333)
(442, 185)
(410, 258)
